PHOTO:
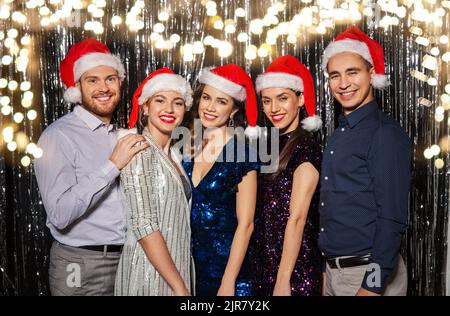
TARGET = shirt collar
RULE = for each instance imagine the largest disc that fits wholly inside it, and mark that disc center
(90, 119)
(358, 115)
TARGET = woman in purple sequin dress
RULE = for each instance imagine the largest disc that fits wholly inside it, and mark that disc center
(286, 257)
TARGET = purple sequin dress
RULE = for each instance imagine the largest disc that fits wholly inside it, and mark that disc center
(272, 214)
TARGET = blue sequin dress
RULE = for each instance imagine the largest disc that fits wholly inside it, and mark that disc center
(214, 221)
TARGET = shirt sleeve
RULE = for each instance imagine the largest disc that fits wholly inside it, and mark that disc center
(141, 192)
(389, 167)
(66, 195)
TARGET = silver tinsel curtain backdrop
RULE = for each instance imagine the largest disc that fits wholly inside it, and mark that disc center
(188, 35)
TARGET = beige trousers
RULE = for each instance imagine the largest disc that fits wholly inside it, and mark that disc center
(347, 281)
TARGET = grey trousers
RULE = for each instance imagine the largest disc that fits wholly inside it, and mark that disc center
(79, 272)
(347, 281)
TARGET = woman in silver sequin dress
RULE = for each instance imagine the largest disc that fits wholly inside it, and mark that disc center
(156, 258)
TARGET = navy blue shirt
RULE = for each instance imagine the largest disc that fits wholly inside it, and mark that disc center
(364, 190)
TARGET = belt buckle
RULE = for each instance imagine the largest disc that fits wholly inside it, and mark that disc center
(336, 262)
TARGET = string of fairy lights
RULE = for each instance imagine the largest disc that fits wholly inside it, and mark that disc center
(315, 17)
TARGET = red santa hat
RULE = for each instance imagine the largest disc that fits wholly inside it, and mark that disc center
(81, 57)
(163, 79)
(287, 72)
(356, 41)
(235, 82)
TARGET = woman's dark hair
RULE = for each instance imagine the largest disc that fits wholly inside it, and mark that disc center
(189, 118)
(142, 121)
(296, 136)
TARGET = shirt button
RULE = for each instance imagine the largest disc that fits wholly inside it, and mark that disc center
(323, 204)
(321, 229)
(326, 178)
(342, 129)
(323, 254)
(331, 152)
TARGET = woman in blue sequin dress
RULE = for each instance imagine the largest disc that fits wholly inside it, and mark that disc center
(223, 179)
(286, 254)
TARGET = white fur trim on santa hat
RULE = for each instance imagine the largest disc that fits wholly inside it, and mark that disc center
(72, 95)
(253, 132)
(122, 132)
(92, 60)
(228, 87)
(380, 81)
(167, 82)
(347, 45)
(312, 123)
(279, 80)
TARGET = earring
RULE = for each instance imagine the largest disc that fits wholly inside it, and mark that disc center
(144, 114)
(231, 122)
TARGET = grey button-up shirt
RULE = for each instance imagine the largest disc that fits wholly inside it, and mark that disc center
(78, 183)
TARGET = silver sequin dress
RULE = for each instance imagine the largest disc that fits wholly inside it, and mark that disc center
(158, 199)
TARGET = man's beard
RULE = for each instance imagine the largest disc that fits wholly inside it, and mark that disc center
(99, 110)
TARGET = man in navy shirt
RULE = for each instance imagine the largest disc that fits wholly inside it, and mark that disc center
(365, 176)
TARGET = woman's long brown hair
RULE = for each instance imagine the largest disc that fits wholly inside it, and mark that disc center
(297, 135)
